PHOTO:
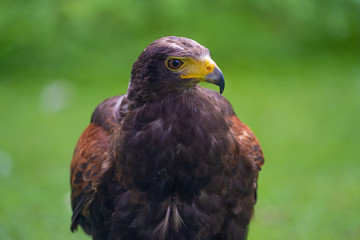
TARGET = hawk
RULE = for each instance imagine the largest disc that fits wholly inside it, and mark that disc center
(169, 159)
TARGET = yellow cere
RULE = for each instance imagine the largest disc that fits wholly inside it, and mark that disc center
(195, 68)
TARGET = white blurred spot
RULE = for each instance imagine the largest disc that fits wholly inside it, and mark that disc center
(56, 96)
(5, 164)
(66, 202)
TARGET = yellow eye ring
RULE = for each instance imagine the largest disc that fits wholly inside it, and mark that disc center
(174, 63)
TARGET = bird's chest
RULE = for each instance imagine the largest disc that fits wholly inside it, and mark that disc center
(176, 154)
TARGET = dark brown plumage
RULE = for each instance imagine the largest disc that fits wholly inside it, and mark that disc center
(168, 160)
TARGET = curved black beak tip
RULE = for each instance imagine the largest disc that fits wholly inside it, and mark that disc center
(216, 77)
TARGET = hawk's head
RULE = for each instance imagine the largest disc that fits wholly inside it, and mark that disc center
(173, 64)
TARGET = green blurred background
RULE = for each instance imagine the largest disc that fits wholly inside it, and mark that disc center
(292, 71)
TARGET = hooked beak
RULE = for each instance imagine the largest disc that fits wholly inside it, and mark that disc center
(216, 77)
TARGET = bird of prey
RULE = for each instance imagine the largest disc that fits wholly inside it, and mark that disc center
(169, 159)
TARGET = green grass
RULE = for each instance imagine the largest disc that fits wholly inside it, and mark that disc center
(308, 127)
(305, 113)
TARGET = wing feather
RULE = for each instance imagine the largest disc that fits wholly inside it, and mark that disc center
(249, 144)
(91, 154)
(249, 159)
(246, 159)
(92, 158)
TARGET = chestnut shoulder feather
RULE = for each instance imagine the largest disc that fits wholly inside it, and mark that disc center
(92, 157)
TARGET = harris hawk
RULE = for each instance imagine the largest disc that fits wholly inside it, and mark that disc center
(169, 159)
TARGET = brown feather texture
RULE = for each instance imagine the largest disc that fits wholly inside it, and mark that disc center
(169, 159)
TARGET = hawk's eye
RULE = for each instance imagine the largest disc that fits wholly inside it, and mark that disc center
(174, 63)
